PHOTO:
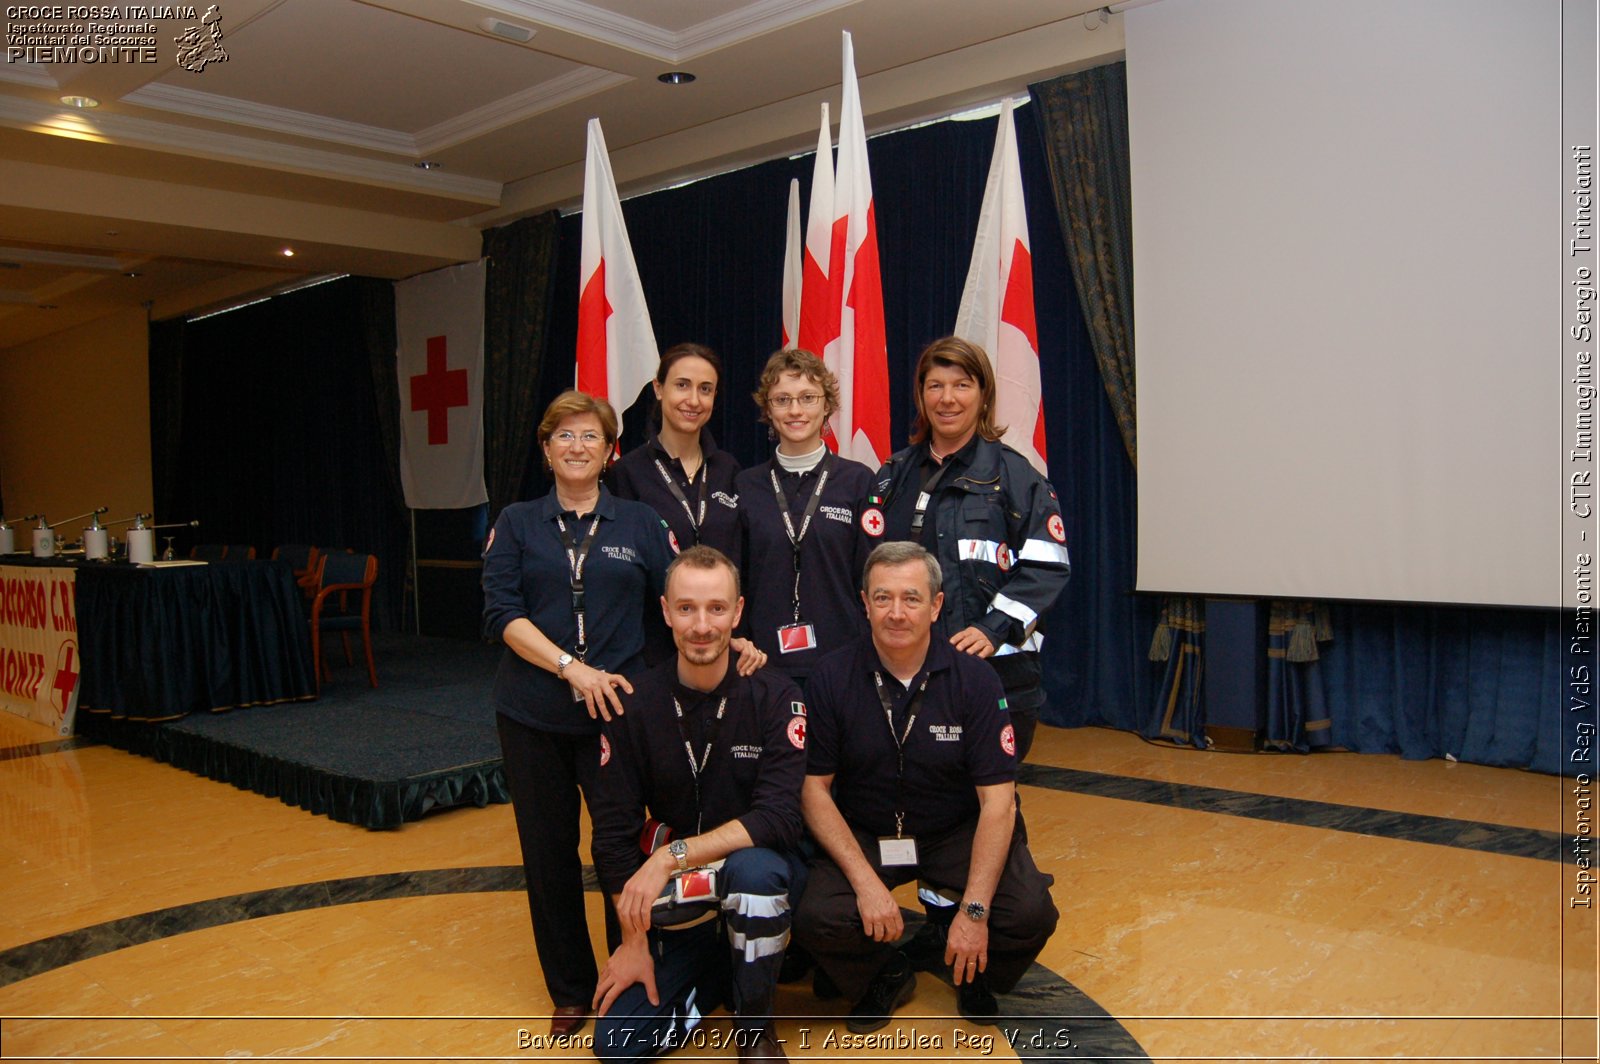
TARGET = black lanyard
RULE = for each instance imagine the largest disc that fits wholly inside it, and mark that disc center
(677, 493)
(824, 468)
(912, 708)
(925, 496)
(576, 556)
(695, 768)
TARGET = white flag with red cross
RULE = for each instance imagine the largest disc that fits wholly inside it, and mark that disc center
(439, 353)
(617, 353)
(823, 256)
(859, 356)
(997, 304)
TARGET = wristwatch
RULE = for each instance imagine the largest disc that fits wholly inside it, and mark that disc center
(561, 664)
(976, 910)
(680, 849)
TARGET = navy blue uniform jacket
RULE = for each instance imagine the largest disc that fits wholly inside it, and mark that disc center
(635, 476)
(961, 739)
(525, 574)
(753, 775)
(831, 556)
(995, 525)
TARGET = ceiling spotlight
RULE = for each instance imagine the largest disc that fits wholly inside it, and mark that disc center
(1093, 20)
(675, 77)
(428, 164)
(288, 253)
(131, 273)
(82, 103)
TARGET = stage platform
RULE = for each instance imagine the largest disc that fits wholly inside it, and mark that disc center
(423, 740)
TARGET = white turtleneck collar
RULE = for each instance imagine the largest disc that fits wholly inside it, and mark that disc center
(801, 463)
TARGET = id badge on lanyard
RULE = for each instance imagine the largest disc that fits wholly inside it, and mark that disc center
(898, 850)
(797, 636)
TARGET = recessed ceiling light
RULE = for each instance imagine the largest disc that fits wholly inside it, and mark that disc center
(675, 77)
(131, 273)
(288, 253)
(82, 103)
(428, 164)
(509, 30)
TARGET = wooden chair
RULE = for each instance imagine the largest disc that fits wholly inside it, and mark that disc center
(302, 561)
(341, 578)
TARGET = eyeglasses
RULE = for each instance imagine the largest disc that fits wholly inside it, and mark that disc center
(588, 439)
(808, 401)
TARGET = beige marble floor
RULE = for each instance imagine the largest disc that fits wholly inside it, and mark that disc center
(1208, 936)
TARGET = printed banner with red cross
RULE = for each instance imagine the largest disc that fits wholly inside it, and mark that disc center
(39, 665)
(439, 332)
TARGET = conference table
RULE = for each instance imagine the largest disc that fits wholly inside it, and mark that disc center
(160, 643)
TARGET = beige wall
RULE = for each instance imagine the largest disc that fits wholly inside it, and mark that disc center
(75, 422)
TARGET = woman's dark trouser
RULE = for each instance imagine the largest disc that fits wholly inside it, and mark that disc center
(546, 772)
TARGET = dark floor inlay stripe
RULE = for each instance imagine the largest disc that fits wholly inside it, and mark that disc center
(1047, 1018)
(12, 753)
(34, 958)
(1383, 823)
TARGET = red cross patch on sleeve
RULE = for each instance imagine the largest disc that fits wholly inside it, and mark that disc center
(605, 751)
(872, 522)
(797, 732)
(1008, 741)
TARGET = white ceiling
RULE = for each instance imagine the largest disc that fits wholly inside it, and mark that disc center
(308, 134)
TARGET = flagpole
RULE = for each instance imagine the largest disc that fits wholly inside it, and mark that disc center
(416, 590)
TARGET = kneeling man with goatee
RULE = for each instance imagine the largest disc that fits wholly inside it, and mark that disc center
(696, 814)
(910, 775)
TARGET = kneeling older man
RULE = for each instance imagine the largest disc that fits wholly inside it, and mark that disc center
(702, 768)
(910, 775)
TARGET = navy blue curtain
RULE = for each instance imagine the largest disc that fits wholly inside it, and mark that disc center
(710, 259)
(281, 439)
(1487, 686)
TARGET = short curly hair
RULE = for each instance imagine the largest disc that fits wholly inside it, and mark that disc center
(809, 366)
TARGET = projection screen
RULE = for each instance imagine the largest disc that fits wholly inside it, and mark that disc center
(1349, 227)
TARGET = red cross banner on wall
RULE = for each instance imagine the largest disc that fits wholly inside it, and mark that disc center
(39, 665)
(439, 329)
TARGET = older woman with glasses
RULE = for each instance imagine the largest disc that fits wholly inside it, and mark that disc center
(567, 582)
(802, 543)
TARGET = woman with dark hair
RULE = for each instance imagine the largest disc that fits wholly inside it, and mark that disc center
(986, 514)
(568, 581)
(802, 546)
(679, 472)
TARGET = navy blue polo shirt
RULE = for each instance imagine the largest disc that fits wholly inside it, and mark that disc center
(635, 476)
(525, 574)
(832, 554)
(752, 774)
(961, 739)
